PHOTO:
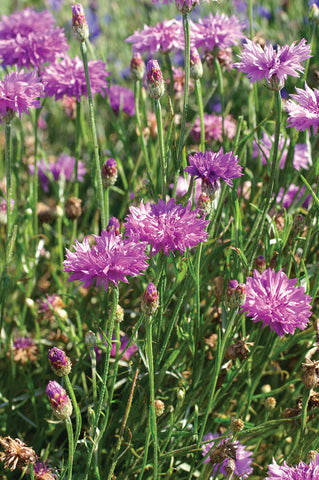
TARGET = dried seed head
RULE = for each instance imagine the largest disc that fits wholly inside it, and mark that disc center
(73, 208)
(16, 454)
(238, 350)
(310, 375)
(224, 450)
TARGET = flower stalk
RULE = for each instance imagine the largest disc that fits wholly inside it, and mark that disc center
(186, 88)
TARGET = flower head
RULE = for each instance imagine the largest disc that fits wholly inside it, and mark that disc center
(16, 454)
(109, 172)
(59, 401)
(114, 225)
(273, 299)
(214, 128)
(110, 260)
(43, 472)
(302, 471)
(150, 300)
(19, 91)
(137, 66)
(217, 32)
(154, 79)
(166, 226)
(24, 350)
(163, 37)
(305, 113)
(273, 65)
(212, 167)
(60, 362)
(79, 24)
(122, 98)
(301, 154)
(50, 305)
(29, 39)
(68, 78)
(228, 451)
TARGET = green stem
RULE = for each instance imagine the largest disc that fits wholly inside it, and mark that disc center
(305, 400)
(158, 112)
(78, 417)
(152, 413)
(69, 429)
(35, 177)
(137, 94)
(31, 471)
(221, 93)
(9, 180)
(186, 88)
(97, 166)
(199, 99)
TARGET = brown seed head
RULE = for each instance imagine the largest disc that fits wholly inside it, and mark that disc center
(16, 454)
(73, 208)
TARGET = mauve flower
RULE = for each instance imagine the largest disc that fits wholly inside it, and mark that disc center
(122, 98)
(212, 167)
(68, 78)
(300, 158)
(63, 166)
(293, 194)
(273, 65)
(166, 226)
(59, 401)
(163, 37)
(19, 91)
(59, 362)
(305, 113)
(273, 299)
(110, 260)
(243, 459)
(302, 471)
(214, 128)
(29, 39)
(217, 31)
(43, 472)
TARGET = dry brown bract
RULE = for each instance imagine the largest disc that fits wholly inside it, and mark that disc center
(16, 454)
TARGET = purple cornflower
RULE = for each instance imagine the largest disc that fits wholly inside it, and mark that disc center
(212, 167)
(124, 339)
(163, 37)
(302, 471)
(62, 167)
(59, 401)
(214, 128)
(273, 299)
(273, 65)
(293, 194)
(305, 113)
(114, 225)
(43, 472)
(59, 362)
(79, 24)
(217, 31)
(243, 457)
(110, 260)
(29, 39)
(301, 154)
(166, 226)
(19, 91)
(68, 78)
(122, 98)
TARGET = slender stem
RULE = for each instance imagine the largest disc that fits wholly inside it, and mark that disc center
(9, 179)
(35, 177)
(158, 112)
(137, 94)
(152, 413)
(221, 94)
(31, 471)
(97, 166)
(186, 88)
(305, 400)
(199, 99)
(78, 417)
(69, 429)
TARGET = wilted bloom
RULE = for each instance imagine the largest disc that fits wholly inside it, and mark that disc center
(214, 128)
(59, 401)
(274, 300)
(305, 113)
(114, 225)
(79, 24)
(224, 451)
(24, 350)
(166, 226)
(43, 472)
(109, 173)
(273, 65)
(110, 260)
(150, 300)
(154, 78)
(62, 167)
(19, 91)
(137, 66)
(16, 454)
(163, 37)
(29, 39)
(302, 471)
(59, 362)
(212, 167)
(68, 78)
(217, 32)
(122, 98)
(196, 66)
(301, 155)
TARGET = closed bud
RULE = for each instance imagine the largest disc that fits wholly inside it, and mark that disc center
(79, 24)
(137, 66)
(185, 6)
(59, 400)
(196, 66)
(90, 339)
(154, 79)
(314, 13)
(204, 205)
(235, 294)
(270, 403)
(237, 425)
(159, 407)
(119, 314)
(260, 264)
(312, 455)
(113, 225)
(60, 362)
(109, 173)
(150, 300)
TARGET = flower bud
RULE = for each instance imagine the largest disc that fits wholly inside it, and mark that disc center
(109, 173)
(270, 403)
(260, 264)
(119, 314)
(90, 339)
(137, 66)
(60, 362)
(73, 208)
(237, 425)
(59, 401)
(114, 225)
(159, 407)
(196, 66)
(314, 13)
(79, 24)
(150, 300)
(312, 455)
(185, 6)
(235, 294)
(204, 205)
(154, 78)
